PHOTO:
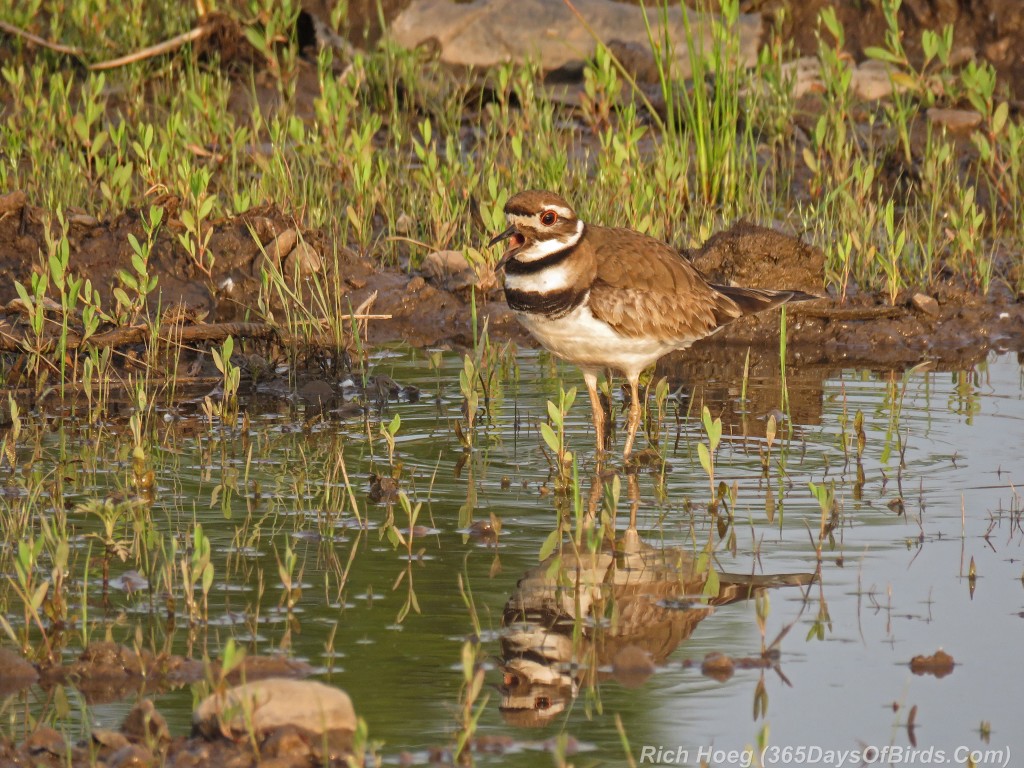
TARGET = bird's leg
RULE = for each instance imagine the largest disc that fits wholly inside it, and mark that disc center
(590, 379)
(635, 412)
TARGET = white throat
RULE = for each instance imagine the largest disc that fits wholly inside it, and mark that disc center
(540, 248)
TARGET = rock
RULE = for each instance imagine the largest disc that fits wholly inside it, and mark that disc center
(111, 740)
(275, 703)
(304, 259)
(871, 80)
(717, 666)
(131, 756)
(281, 245)
(130, 581)
(939, 664)
(288, 743)
(752, 255)
(46, 740)
(317, 392)
(926, 304)
(804, 73)
(632, 666)
(143, 723)
(478, 33)
(15, 672)
(450, 269)
(12, 201)
(404, 223)
(955, 119)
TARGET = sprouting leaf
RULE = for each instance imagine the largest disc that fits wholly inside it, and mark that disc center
(549, 543)
(999, 117)
(705, 457)
(554, 414)
(549, 436)
(881, 54)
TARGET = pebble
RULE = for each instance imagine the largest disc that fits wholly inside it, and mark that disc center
(925, 303)
(955, 119)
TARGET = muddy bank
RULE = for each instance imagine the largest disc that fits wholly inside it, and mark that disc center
(952, 326)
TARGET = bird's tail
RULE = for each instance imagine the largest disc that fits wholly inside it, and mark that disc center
(749, 301)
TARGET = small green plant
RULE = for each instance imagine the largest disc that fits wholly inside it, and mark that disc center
(197, 206)
(274, 38)
(601, 89)
(114, 515)
(227, 409)
(31, 591)
(136, 285)
(405, 538)
(825, 495)
(553, 432)
(197, 569)
(389, 431)
(706, 451)
(290, 580)
(468, 378)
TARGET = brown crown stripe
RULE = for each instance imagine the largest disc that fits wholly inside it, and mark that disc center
(551, 304)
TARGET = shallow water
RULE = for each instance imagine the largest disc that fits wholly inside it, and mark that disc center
(891, 585)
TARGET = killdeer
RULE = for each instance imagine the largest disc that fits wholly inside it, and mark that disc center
(610, 298)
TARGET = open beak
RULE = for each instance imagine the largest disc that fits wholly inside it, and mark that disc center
(510, 232)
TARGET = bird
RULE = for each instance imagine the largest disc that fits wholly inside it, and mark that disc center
(610, 298)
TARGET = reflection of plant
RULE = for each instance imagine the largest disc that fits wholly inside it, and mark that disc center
(405, 540)
(30, 590)
(472, 679)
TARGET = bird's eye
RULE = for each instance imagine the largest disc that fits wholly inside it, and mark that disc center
(548, 218)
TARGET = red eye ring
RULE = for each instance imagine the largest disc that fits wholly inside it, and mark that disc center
(548, 218)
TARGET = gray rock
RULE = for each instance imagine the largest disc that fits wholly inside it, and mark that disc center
(925, 304)
(487, 33)
(15, 672)
(955, 119)
(274, 703)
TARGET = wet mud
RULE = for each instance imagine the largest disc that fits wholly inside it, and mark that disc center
(952, 326)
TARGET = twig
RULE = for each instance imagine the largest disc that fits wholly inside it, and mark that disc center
(68, 50)
(156, 50)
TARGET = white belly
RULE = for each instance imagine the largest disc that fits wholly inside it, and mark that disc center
(591, 344)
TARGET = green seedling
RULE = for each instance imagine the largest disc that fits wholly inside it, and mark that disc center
(553, 433)
(197, 569)
(706, 451)
(136, 285)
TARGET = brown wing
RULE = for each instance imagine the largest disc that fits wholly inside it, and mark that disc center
(643, 287)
